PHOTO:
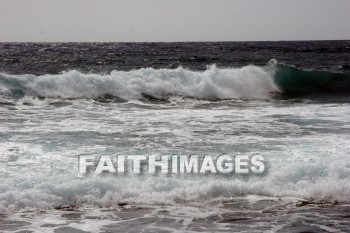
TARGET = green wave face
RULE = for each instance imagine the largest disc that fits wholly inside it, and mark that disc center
(295, 82)
(15, 86)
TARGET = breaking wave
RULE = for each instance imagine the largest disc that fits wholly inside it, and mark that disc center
(245, 83)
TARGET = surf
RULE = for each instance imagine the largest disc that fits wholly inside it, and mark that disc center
(249, 82)
(275, 80)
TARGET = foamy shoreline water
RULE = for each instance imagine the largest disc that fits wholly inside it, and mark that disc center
(245, 214)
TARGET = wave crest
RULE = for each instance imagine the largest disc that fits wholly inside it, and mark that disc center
(246, 83)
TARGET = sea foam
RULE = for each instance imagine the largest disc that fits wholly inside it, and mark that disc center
(247, 83)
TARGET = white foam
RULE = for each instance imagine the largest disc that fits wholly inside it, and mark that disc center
(305, 145)
(58, 191)
(250, 82)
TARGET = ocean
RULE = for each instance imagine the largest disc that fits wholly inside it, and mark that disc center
(286, 101)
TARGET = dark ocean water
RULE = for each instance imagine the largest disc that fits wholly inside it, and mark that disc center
(53, 58)
(286, 101)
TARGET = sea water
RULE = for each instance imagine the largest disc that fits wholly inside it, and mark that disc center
(286, 101)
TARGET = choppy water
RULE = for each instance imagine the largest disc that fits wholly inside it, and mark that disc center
(287, 101)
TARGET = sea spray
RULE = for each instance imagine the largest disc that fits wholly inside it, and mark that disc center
(246, 83)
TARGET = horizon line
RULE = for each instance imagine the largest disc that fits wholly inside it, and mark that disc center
(189, 41)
